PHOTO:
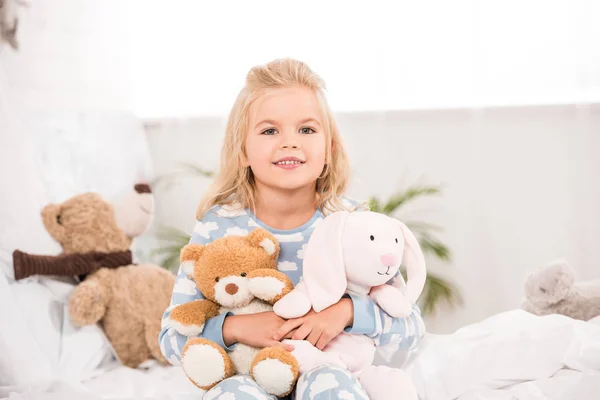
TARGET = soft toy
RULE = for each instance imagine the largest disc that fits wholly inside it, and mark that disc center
(236, 274)
(9, 21)
(128, 300)
(552, 290)
(92, 232)
(357, 253)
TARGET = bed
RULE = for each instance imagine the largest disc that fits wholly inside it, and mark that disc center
(512, 355)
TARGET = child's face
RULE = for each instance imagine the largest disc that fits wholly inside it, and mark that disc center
(286, 142)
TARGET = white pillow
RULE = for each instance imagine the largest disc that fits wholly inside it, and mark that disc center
(23, 194)
(82, 349)
(22, 361)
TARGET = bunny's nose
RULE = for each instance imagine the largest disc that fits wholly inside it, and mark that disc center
(389, 260)
(142, 188)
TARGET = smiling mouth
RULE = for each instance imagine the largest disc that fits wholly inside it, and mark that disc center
(288, 162)
(386, 272)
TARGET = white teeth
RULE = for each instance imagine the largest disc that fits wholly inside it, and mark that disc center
(289, 162)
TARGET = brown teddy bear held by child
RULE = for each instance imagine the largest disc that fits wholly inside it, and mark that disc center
(235, 274)
(127, 300)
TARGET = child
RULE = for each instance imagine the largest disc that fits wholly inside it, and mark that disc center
(283, 167)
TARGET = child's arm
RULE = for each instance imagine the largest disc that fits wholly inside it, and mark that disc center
(371, 320)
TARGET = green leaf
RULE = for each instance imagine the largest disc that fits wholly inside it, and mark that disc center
(402, 198)
(196, 170)
(438, 290)
(419, 226)
(433, 246)
(374, 204)
(174, 240)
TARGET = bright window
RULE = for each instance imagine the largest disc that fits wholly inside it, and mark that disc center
(190, 57)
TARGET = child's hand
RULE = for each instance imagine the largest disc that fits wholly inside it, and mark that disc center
(319, 328)
(256, 330)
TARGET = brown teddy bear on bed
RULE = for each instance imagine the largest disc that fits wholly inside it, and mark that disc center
(235, 274)
(127, 300)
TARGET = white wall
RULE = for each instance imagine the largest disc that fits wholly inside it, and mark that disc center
(521, 187)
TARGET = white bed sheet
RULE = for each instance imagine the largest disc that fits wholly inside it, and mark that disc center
(114, 381)
(510, 356)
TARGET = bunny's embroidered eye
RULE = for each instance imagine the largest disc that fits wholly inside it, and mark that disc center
(396, 240)
(372, 237)
(243, 274)
(217, 279)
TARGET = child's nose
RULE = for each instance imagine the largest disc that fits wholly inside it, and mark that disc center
(289, 141)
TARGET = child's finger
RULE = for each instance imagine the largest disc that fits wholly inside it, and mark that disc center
(290, 334)
(287, 327)
(324, 339)
(314, 336)
(286, 346)
(302, 332)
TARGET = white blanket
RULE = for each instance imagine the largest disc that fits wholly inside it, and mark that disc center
(513, 355)
(510, 356)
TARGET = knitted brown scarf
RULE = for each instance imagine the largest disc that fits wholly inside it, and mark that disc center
(75, 264)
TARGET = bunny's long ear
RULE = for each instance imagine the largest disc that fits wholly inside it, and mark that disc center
(324, 272)
(414, 261)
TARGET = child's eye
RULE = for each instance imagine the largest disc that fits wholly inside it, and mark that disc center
(307, 130)
(270, 131)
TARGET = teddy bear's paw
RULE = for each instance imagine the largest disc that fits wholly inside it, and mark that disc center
(87, 304)
(189, 318)
(189, 330)
(275, 370)
(205, 363)
(266, 287)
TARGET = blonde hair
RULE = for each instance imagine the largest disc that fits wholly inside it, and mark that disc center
(235, 183)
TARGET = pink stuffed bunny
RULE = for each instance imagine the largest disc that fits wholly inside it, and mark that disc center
(357, 253)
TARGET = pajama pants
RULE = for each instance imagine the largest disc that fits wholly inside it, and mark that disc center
(321, 383)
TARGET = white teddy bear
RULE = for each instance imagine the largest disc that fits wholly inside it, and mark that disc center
(553, 290)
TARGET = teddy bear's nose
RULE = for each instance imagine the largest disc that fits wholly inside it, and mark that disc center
(231, 288)
(142, 188)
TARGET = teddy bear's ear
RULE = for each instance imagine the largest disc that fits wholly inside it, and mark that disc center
(262, 238)
(189, 254)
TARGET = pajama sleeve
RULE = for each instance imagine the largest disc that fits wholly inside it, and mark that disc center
(396, 334)
(209, 228)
